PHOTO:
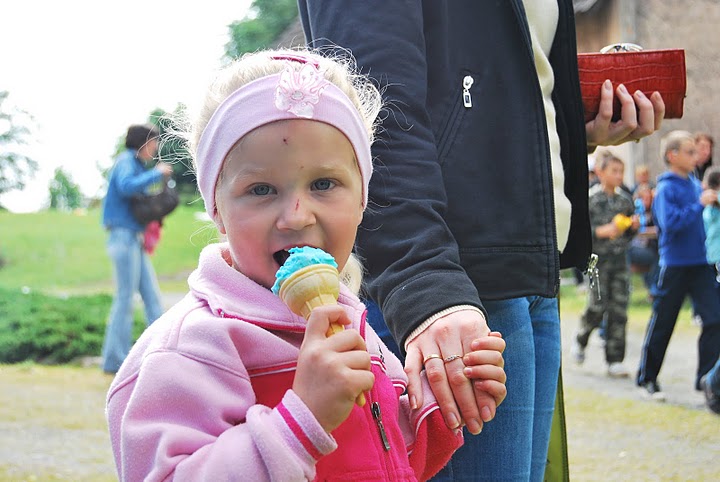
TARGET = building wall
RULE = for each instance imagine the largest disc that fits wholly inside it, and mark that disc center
(660, 24)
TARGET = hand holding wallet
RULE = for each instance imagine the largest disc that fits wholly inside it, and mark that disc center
(644, 70)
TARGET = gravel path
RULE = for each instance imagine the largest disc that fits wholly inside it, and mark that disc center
(676, 376)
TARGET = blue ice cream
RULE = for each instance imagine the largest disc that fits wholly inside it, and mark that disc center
(301, 258)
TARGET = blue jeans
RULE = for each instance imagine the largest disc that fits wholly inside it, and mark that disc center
(514, 445)
(133, 272)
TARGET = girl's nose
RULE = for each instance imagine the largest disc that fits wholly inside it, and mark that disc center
(296, 214)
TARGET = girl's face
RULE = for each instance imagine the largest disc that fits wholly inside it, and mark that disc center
(285, 184)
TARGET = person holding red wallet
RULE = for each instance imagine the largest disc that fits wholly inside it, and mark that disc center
(479, 198)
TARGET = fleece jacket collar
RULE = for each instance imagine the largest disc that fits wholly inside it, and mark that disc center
(230, 293)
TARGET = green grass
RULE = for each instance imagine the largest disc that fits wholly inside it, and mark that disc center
(59, 252)
(572, 305)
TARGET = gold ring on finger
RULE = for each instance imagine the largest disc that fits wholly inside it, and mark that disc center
(431, 356)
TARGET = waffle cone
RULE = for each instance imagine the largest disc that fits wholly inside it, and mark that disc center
(310, 287)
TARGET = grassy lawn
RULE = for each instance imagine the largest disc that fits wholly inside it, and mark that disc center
(59, 252)
(572, 305)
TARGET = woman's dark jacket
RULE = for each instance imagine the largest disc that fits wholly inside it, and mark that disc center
(461, 202)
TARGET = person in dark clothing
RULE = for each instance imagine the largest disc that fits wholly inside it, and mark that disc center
(479, 198)
(704, 144)
(643, 251)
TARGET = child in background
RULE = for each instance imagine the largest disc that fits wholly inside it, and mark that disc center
(229, 384)
(612, 222)
(643, 250)
(678, 206)
(642, 177)
(711, 220)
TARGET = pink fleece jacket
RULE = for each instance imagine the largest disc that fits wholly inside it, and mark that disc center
(205, 394)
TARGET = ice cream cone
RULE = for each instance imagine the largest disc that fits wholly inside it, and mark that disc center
(310, 287)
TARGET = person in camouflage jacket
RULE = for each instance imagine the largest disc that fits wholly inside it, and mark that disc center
(613, 224)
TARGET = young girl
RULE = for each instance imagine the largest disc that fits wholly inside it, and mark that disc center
(229, 384)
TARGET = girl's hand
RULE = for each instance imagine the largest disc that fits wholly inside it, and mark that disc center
(708, 196)
(485, 367)
(331, 372)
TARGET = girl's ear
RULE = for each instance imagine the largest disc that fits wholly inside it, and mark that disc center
(219, 223)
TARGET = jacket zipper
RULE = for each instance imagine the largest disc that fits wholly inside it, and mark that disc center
(377, 415)
(525, 30)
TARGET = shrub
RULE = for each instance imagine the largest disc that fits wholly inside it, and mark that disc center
(47, 329)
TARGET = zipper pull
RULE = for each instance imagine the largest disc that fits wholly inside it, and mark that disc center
(593, 274)
(467, 98)
(378, 419)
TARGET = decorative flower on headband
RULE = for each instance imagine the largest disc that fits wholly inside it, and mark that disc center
(299, 91)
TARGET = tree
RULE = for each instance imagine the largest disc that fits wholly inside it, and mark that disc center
(15, 167)
(65, 195)
(263, 24)
(174, 149)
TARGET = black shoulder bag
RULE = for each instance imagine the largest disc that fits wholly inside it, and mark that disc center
(154, 207)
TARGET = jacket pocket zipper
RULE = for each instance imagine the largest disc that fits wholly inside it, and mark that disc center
(466, 97)
(447, 133)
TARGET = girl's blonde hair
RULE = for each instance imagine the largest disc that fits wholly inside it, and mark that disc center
(340, 70)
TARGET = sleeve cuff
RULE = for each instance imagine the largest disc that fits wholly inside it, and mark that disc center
(447, 311)
(304, 427)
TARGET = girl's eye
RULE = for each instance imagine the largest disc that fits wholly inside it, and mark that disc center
(323, 184)
(261, 190)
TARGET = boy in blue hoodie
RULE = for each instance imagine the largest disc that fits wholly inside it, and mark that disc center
(678, 207)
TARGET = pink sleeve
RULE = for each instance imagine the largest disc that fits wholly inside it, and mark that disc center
(184, 419)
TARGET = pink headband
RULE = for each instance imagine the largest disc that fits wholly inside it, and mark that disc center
(290, 94)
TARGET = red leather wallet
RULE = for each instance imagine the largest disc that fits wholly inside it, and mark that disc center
(644, 70)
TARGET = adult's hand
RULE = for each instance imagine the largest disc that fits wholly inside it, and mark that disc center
(640, 117)
(457, 397)
(165, 168)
